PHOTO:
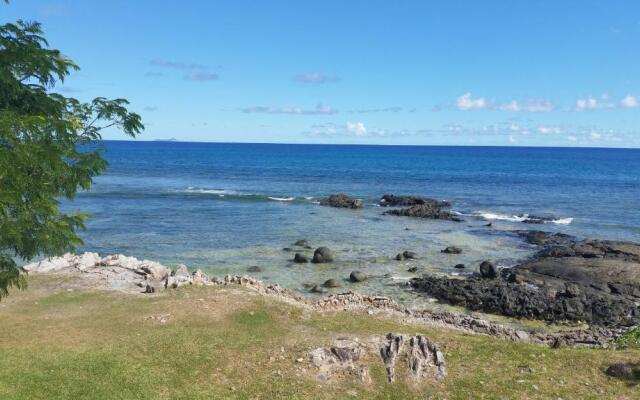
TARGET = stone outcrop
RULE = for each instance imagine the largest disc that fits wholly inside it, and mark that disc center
(346, 357)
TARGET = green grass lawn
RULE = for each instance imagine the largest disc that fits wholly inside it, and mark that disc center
(228, 342)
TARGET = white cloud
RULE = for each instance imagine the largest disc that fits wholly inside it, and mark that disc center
(595, 135)
(549, 129)
(318, 110)
(512, 139)
(629, 102)
(572, 138)
(357, 128)
(201, 76)
(593, 103)
(466, 102)
(315, 77)
(529, 106)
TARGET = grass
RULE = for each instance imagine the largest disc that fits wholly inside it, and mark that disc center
(230, 343)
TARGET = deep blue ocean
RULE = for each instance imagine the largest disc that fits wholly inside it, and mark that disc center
(224, 207)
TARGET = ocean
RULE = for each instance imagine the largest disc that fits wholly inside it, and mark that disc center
(225, 207)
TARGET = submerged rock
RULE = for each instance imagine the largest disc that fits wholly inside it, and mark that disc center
(426, 210)
(459, 266)
(331, 283)
(301, 243)
(357, 276)
(452, 250)
(341, 201)
(322, 255)
(300, 258)
(254, 268)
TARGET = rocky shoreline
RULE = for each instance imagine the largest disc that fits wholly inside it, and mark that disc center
(143, 277)
(591, 281)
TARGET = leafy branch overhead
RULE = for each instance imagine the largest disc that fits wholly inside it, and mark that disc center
(49, 149)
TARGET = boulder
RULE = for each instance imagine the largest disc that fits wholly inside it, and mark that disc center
(409, 255)
(300, 258)
(322, 255)
(622, 371)
(488, 270)
(341, 201)
(452, 250)
(301, 243)
(357, 276)
(331, 283)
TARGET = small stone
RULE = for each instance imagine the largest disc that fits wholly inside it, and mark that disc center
(412, 269)
(300, 258)
(400, 257)
(254, 268)
(459, 266)
(301, 243)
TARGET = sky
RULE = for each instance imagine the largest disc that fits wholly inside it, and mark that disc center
(507, 73)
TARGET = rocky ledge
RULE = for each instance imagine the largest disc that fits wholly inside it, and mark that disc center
(341, 201)
(592, 281)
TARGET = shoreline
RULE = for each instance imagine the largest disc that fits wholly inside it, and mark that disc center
(131, 276)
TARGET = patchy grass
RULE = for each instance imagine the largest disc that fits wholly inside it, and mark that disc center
(231, 343)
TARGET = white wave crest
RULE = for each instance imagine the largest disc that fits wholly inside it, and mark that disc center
(281, 198)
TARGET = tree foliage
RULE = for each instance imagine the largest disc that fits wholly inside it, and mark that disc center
(49, 149)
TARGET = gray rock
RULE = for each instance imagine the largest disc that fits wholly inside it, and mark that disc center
(357, 276)
(410, 255)
(412, 269)
(452, 250)
(488, 270)
(322, 255)
(621, 371)
(331, 283)
(300, 258)
(254, 268)
(317, 289)
(301, 243)
(459, 266)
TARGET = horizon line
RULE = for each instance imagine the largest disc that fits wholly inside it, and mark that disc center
(367, 144)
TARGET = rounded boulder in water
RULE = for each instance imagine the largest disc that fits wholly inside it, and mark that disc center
(300, 258)
(488, 270)
(322, 255)
(331, 283)
(357, 276)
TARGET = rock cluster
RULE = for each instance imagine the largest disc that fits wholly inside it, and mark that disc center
(591, 281)
(341, 201)
(418, 207)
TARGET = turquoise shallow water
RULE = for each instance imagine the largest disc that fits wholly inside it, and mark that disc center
(225, 207)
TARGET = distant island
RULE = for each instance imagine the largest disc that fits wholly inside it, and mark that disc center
(166, 140)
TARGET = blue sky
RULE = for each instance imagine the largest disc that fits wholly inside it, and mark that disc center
(539, 73)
